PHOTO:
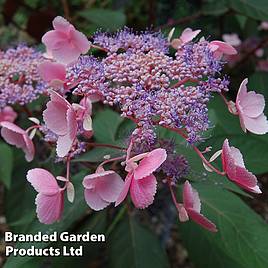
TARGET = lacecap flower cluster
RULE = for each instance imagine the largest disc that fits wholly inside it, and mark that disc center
(155, 81)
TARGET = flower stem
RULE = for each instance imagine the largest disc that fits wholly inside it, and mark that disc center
(93, 144)
(199, 153)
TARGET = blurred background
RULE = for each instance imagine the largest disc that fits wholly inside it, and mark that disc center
(242, 23)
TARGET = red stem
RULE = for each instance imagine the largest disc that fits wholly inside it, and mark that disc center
(172, 194)
(184, 80)
(93, 144)
(197, 151)
(111, 160)
(100, 48)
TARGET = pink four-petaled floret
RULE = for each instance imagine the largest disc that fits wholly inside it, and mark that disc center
(233, 165)
(49, 200)
(250, 107)
(65, 43)
(140, 180)
(102, 188)
(52, 72)
(186, 36)
(191, 208)
(220, 48)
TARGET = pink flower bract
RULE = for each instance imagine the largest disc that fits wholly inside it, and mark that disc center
(191, 208)
(15, 135)
(65, 43)
(49, 200)
(53, 73)
(220, 48)
(60, 117)
(186, 36)
(233, 165)
(8, 114)
(102, 188)
(250, 107)
(140, 180)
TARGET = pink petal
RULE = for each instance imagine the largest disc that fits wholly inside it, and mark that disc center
(150, 163)
(224, 47)
(14, 135)
(89, 181)
(49, 207)
(228, 162)
(249, 104)
(80, 41)
(71, 123)
(252, 105)
(142, 191)
(237, 156)
(125, 189)
(12, 127)
(29, 149)
(86, 102)
(67, 53)
(110, 187)
(56, 97)
(202, 220)
(107, 184)
(43, 181)
(94, 201)
(246, 180)
(61, 24)
(233, 165)
(55, 117)
(188, 35)
(183, 215)
(242, 92)
(258, 125)
(190, 197)
(8, 114)
(64, 145)
(176, 43)
(50, 71)
(54, 40)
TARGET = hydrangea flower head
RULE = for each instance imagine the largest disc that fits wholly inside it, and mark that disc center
(20, 81)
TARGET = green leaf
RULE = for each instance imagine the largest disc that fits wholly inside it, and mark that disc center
(6, 160)
(72, 212)
(133, 246)
(242, 237)
(256, 9)
(105, 125)
(104, 18)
